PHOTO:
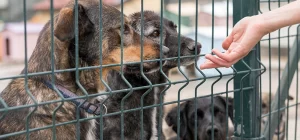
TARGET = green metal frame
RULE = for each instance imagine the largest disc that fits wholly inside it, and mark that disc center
(245, 105)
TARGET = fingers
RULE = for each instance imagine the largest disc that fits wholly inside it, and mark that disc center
(227, 56)
(208, 65)
(218, 61)
(227, 42)
(226, 59)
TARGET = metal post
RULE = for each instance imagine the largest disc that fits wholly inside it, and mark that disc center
(245, 105)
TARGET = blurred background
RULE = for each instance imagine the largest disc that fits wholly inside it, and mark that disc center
(214, 24)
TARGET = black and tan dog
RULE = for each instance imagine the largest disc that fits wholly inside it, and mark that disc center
(133, 124)
(205, 131)
(49, 113)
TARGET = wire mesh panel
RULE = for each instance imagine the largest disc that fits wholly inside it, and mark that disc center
(132, 72)
(280, 100)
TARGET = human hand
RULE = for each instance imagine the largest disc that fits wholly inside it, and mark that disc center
(245, 34)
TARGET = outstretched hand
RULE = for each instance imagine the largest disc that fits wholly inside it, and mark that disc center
(245, 34)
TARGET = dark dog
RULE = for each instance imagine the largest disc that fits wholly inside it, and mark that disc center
(204, 119)
(169, 38)
(16, 94)
(133, 125)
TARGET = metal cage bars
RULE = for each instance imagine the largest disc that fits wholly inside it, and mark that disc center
(285, 78)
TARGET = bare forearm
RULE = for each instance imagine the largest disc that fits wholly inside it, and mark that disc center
(285, 16)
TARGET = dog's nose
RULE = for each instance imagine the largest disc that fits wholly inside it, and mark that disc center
(210, 131)
(132, 67)
(194, 47)
(165, 50)
(198, 46)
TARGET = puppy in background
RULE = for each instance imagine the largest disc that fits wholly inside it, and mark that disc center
(265, 102)
(204, 117)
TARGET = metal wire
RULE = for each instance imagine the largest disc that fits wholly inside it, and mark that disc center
(52, 72)
(297, 83)
(203, 75)
(180, 70)
(122, 72)
(163, 92)
(27, 127)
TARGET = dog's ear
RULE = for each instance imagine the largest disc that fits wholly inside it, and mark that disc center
(64, 28)
(135, 19)
(171, 119)
(229, 103)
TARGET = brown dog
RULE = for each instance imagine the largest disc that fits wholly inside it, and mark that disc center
(36, 102)
(266, 109)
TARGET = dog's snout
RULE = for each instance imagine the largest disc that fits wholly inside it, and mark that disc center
(165, 50)
(209, 131)
(190, 46)
(198, 46)
(195, 47)
(132, 67)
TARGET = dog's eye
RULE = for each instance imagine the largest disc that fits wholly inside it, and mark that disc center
(155, 34)
(126, 29)
(175, 26)
(200, 113)
(216, 110)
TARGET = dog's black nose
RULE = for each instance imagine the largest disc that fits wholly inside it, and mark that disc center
(194, 47)
(210, 131)
(132, 67)
(199, 46)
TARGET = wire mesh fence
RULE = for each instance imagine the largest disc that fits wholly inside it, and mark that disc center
(98, 72)
(285, 50)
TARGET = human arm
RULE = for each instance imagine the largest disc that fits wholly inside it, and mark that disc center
(248, 31)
